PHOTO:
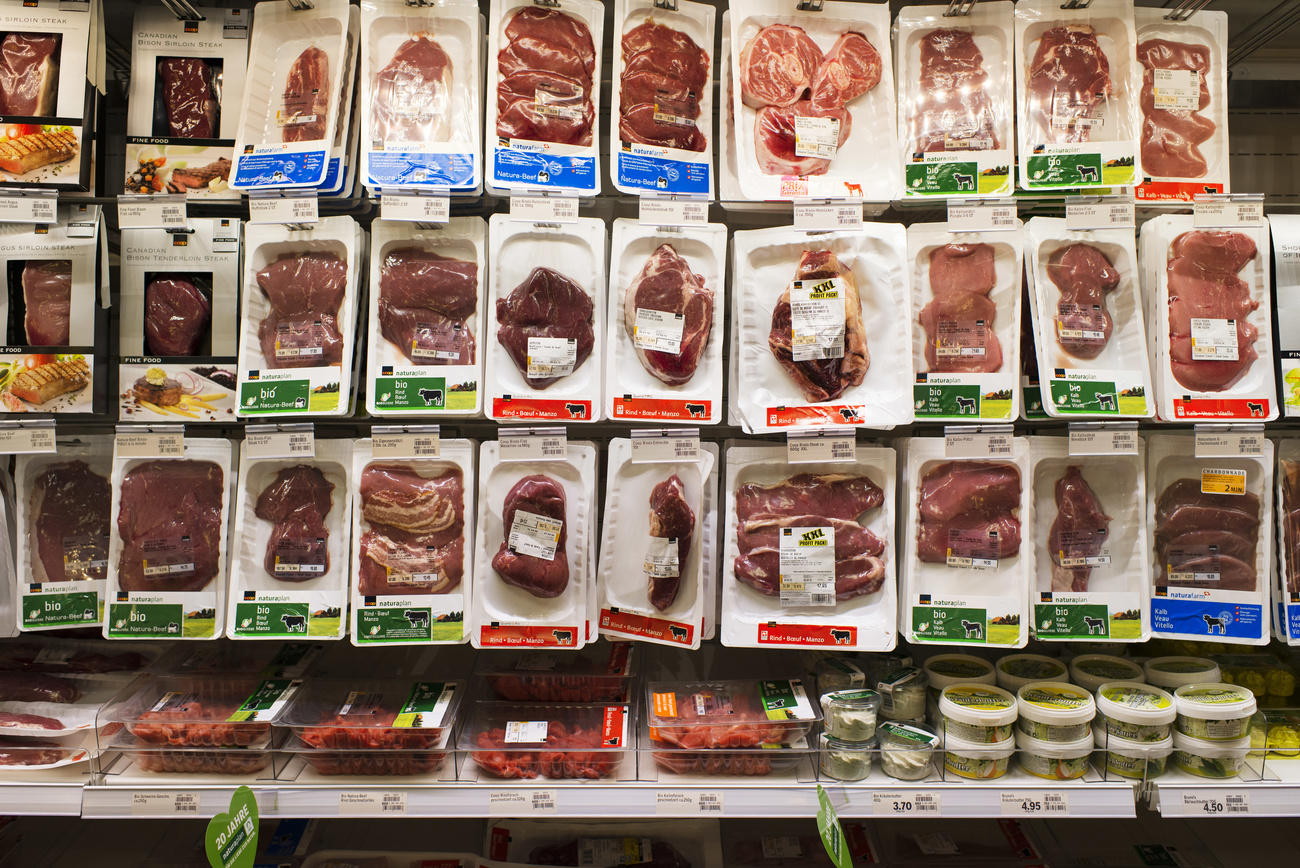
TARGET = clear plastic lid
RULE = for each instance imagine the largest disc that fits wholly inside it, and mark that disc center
(1015, 670)
(978, 749)
(1054, 749)
(1055, 703)
(551, 740)
(978, 704)
(945, 669)
(379, 715)
(1214, 701)
(1236, 748)
(183, 711)
(1135, 702)
(1171, 672)
(1126, 746)
(1090, 671)
(757, 712)
(600, 672)
(905, 736)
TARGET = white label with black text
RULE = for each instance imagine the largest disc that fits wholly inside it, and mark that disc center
(372, 804)
(552, 357)
(405, 445)
(817, 316)
(656, 211)
(544, 209)
(1103, 441)
(1211, 443)
(535, 535)
(977, 444)
(283, 209)
(415, 208)
(150, 444)
(515, 445)
(807, 560)
(658, 330)
(826, 446)
(980, 217)
(153, 804)
(1214, 340)
(280, 444)
(816, 137)
(1177, 89)
(688, 803)
(1035, 805)
(906, 804)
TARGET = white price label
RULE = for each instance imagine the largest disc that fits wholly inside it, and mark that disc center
(657, 211)
(526, 731)
(655, 446)
(978, 444)
(415, 207)
(816, 446)
(280, 444)
(1211, 443)
(1210, 803)
(372, 804)
(816, 137)
(28, 209)
(661, 558)
(980, 216)
(908, 804)
(405, 445)
(658, 330)
(1103, 441)
(1227, 212)
(552, 357)
(1035, 804)
(154, 804)
(521, 802)
(83, 222)
(283, 209)
(14, 441)
(807, 560)
(151, 212)
(534, 535)
(1100, 215)
(1176, 89)
(548, 444)
(1214, 340)
(150, 444)
(235, 24)
(544, 209)
(688, 803)
(820, 217)
(817, 317)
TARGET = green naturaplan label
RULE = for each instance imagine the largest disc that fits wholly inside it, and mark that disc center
(984, 172)
(42, 606)
(231, 840)
(289, 392)
(425, 706)
(950, 624)
(128, 620)
(266, 701)
(785, 700)
(828, 826)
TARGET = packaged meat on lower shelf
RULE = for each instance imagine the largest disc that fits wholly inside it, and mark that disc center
(663, 351)
(412, 543)
(167, 553)
(665, 843)
(179, 323)
(548, 279)
(1088, 319)
(427, 309)
(341, 168)
(298, 318)
(956, 109)
(1212, 552)
(369, 858)
(290, 567)
(966, 292)
(728, 179)
(540, 741)
(1288, 539)
(802, 302)
(967, 569)
(600, 672)
(534, 556)
(1092, 575)
(809, 557)
(1285, 230)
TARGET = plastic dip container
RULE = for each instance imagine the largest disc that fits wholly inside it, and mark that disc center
(1016, 670)
(1131, 759)
(1091, 671)
(1135, 711)
(846, 760)
(1216, 712)
(1054, 760)
(838, 673)
(1210, 759)
(902, 694)
(977, 761)
(1055, 711)
(906, 750)
(1173, 672)
(850, 715)
(977, 713)
(944, 670)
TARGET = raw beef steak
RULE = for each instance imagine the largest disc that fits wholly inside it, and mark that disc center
(539, 495)
(424, 303)
(305, 291)
(69, 534)
(188, 97)
(415, 543)
(296, 503)
(176, 316)
(1079, 531)
(774, 138)
(822, 380)
(305, 115)
(851, 68)
(1171, 137)
(546, 305)
(545, 78)
(959, 319)
(777, 66)
(29, 74)
(1084, 277)
(47, 299)
(666, 283)
(170, 514)
(967, 509)
(1206, 541)
(670, 517)
(1290, 479)
(1069, 79)
(412, 93)
(1204, 283)
(954, 112)
(664, 75)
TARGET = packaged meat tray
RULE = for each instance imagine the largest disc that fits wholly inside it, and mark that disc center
(390, 859)
(75, 656)
(1285, 231)
(1212, 542)
(289, 578)
(1079, 85)
(1288, 539)
(23, 754)
(341, 167)
(966, 294)
(665, 843)
(540, 741)
(412, 539)
(600, 672)
(728, 179)
(956, 79)
(821, 331)
(428, 306)
(187, 84)
(809, 558)
(179, 323)
(40, 704)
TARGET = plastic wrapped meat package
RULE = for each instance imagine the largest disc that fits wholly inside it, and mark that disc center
(534, 568)
(179, 323)
(47, 720)
(534, 742)
(544, 353)
(814, 101)
(1285, 230)
(1092, 575)
(654, 509)
(341, 167)
(728, 178)
(600, 672)
(543, 95)
(967, 569)
(61, 656)
(371, 858)
(412, 543)
(1287, 586)
(286, 131)
(1212, 542)
(298, 314)
(821, 328)
(1079, 84)
(966, 294)
(955, 100)
(289, 576)
(428, 308)
(662, 112)
(663, 359)
(652, 843)
(1088, 320)
(809, 558)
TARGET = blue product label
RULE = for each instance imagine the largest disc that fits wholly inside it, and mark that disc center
(399, 169)
(280, 170)
(332, 180)
(1211, 620)
(1292, 621)
(662, 175)
(543, 170)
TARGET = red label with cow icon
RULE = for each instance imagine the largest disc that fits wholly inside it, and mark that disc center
(529, 636)
(1222, 408)
(806, 634)
(669, 409)
(646, 627)
(510, 407)
(817, 414)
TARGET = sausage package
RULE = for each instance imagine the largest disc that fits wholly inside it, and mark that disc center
(428, 306)
(966, 293)
(543, 95)
(178, 324)
(1285, 230)
(297, 328)
(1212, 552)
(420, 95)
(821, 328)
(663, 350)
(663, 97)
(1092, 575)
(956, 104)
(809, 558)
(187, 84)
(290, 568)
(967, 568)
(656, 508)
(412, 541)
(1184, 100)
(814, 101)
(1079, 83)
(676, 841)
(1087, 315)
(534, 560)
(167, 548)
(543, 357)
(296, 71)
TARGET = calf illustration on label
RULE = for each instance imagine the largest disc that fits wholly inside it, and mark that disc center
(1084, 276)
(546, 309)
(827, 378)
(415, 537)
(664, 76)
(170, 512)
(967, 512)
(69, 534)
(1172, 127)
(412, 94)
(959, 319)
(1069, 83)
(1078, 534)
(305, 113)
(537, 496)
(666, 284)
(305, 292)
(1211, 344)
(544, 78)
(424, 303)
(671, 517)
(956, 112)
(296, 502)
(1206, 541)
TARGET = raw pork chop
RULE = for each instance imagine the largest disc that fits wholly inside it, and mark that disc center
(415, 543)
(822, 379)
(774, 138)
(967, 509)
(1069, 78)
(539, 495)
(546, 305)
(424, 303)
(954, 111)
(545, 78)
(958, 321)
(851, 68)
(666, 283)
(176, 315)
(1171, 136)
(170, 514)
(305, 113)
(1204, 284)
(29, 74)
(670, 517)
(296, 503)
(305, 291)
(188, 97)
(69, 533)
(47, 298)
(1206, 541)
(412, 93)
(777, 66)
(664, 75)
(1079, 531)
(1084, 277)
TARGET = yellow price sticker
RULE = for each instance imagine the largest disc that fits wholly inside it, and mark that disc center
(1220, 480)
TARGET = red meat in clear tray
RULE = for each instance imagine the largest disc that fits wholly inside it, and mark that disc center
(28, 721)
(192, 723)
(225, 762)
(36, 687)
(397, 763)
(346, 731)
(24, 752)
(566, 688)
(563, 757)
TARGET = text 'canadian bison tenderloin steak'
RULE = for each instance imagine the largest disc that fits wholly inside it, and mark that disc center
(188, 97)
(821, 380)
(959, 319)
(47, 301)
(29, 74)
(833, 500)
(1069, 79)
(412, 93)
(296, 503)
(1203, 281)
(306, 112)
(176, 316)
(1206, 540)
(1290, 471)
(546, 305)
(967, 510)
(664, 75)
(1084, 276)
(541, 496)
(1172, 134)
(569, 750)
(662, 854)
(169, 519)
(305, 291)
(671, 517)
(415, 543)
(545, 79)
(954, 111)
(72, 505)
(1079, 531)
(425, 301)
(666, 283)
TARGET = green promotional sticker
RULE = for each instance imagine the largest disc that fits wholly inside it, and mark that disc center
(828, 826)
(61, 610)
(944, 178)
(231, 840)
(272, 619)
(159, 619)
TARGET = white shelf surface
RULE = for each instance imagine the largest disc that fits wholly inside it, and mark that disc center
(50, 793)
(1268, 789)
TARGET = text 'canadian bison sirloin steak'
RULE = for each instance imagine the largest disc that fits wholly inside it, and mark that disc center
(1069, 82)
(1211, 343)
(425, 301)
(805, 326)
(1206, 540)
(47, 301)
(954, 111)
(1084, 276)
(533, 505)
(546, 327)
(1172, 130)
(169, 520)
(296, 503)
(671, 518)
(188, 97)
(69, 534)
(544, 78)
(305, 291)
(415, 542)
(412, 94)
(967, 511)
(667, 286)
(29, 74)
(176, 316)
(664, 76)
(959, 319)
(1078, 533)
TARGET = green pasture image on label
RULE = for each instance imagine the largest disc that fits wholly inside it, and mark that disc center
(280, 396)
(942, 178)
(941, 623)
(149, 619)
(397, 624)
(58, 610)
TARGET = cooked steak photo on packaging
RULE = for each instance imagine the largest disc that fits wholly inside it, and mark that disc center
(532, 516)
(960, 317)
(425, 301)
(822, 358)
(296, 503)
(667, 284)
(70, 506)
(545, 70)
(169, 521)
(413, 541)
(305, 292)
(177, 314)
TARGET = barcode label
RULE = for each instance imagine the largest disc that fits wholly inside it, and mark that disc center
(816, 446)
(406, 445)
(149, 804)
(1211, 443)
(545, 209)
(1035, 804)
(977, 445)
(279, 444)
(521, 802)
(372, 804)
(898, 804)
(980, 216)
(150, 444)
(658, 445)
(532, 444)
(688, 803)
(1211, 803)
(1103, 441)
(834, 215)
